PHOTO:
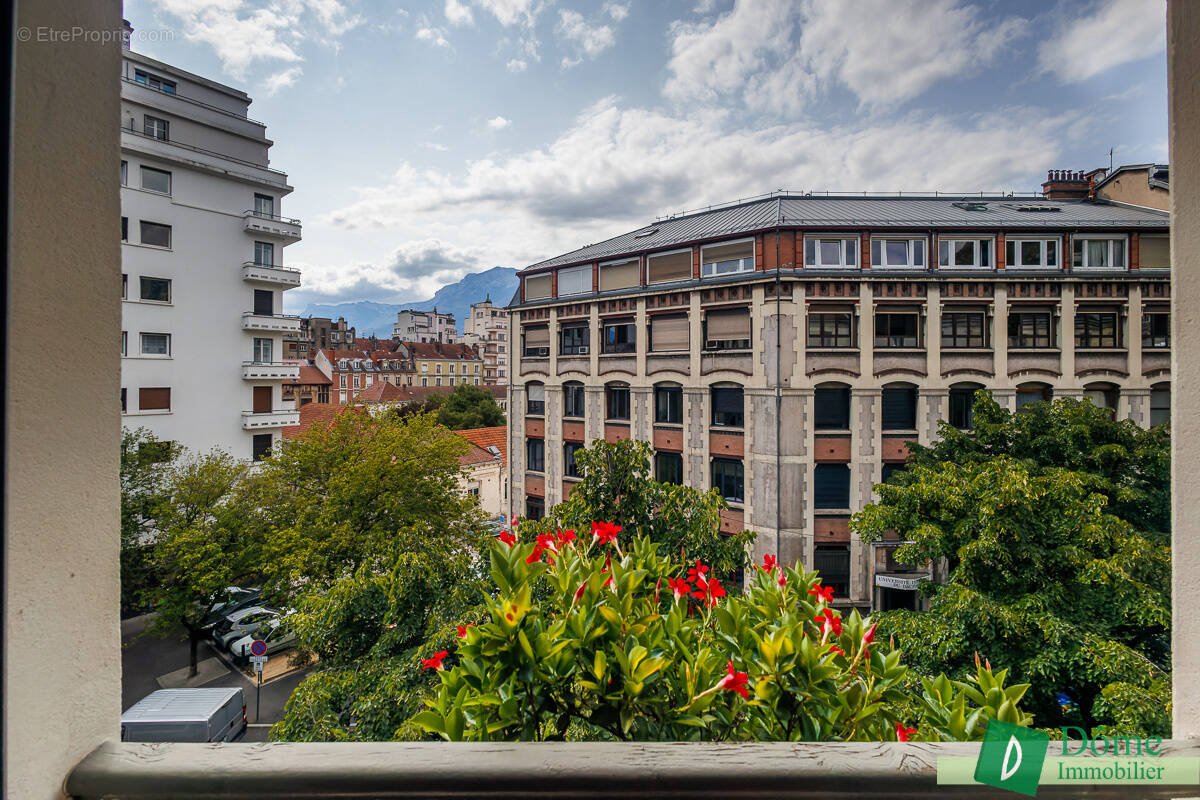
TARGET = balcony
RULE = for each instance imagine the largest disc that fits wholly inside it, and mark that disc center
(277, 418)
(269, 371)
(269, 273)
(263, 224)
(272, 323)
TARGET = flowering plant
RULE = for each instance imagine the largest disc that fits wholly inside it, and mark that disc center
(584, 641)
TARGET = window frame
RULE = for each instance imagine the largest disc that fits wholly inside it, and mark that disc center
(1102, 340)
(879, 252)
(955, 337)
(721, 464)
(660, 254)
(961, 394)
(818, 239)
(674, 397)
(574, 388)
(584, 269)
(1014, 243)
(727, 419)
(570, 467)
(1080, 243)
(536, 408)
(151, 127)
(912, 395)
(989, 250)
(609, 397)
(820, 473)
(627, 347)
(534, 445)
(142, 298)
(143, 170)
(166, 339)
(823, 335)
(142, 223)
(1149, 336)
(1021, 342)
(574, 328)
(705, 273)
(676, 459)
(880, 316)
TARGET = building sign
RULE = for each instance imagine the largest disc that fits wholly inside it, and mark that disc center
(895, 582)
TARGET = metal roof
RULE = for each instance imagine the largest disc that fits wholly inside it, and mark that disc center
(963, 212)
(178, 705)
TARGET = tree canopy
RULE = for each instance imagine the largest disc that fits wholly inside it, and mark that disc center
(1044, 576)
(466, 407)
(144, 463)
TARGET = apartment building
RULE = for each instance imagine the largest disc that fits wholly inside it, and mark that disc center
(440, 364)
(351, 371)
(202, 256)
(318, 333)
(784, 350)
(486, 329)
(310, 386)
(424, 326)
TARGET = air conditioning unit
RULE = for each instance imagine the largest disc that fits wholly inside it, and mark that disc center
(713, 344)
(583, 351)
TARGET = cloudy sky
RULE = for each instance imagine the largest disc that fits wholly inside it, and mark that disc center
(449, 136)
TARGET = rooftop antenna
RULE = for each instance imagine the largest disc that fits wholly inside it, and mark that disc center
(1110, 152)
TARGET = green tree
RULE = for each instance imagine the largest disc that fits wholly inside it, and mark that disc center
(208, 540)
(470, 407)
(372, 542)
(617, 483)
(1042, 578)
(589, 638)
(144, 462)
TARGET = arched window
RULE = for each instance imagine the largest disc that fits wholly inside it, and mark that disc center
(899, 407)
(535, 394)
(832, 407)
(1103, 395)
(616, 401)
(962, 405)
(573, 399)
(728, 406)
(668, 403)
(1030, 393)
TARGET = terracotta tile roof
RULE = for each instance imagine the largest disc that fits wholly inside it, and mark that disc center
(310, 374)
(483, 437)
(441, 350)
(476, 455)
(383, 392)
(312, 414)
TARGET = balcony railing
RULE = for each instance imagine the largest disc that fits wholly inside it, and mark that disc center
(276, 418)
(133, 129)
(270, 273)
(285, 323)
(269, 371)
(843, 770)
(260, 222)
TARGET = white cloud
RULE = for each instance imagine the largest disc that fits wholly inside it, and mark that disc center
(588, 40)
(1114, 32)
(435, 36)
(282, 80)
(857, 44)
(615, 168)
(511, 12)
(616, 10)
(458, 14)
(498, 123)
(441, 148)
(517, 65)
(242, 35)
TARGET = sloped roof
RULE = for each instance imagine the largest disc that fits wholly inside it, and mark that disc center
(441, 350)
(488, 437)
(312, 414)
(310, 375)
(382, 392)
(913, 212)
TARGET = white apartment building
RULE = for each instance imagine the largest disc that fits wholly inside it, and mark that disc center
(424, 326)
(486, 329)
(202, 246)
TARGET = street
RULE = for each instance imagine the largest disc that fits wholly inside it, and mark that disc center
(145, 658)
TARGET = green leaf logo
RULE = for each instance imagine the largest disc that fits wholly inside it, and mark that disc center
(1011, 757)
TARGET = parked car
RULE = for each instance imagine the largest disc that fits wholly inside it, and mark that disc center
(277, 636)
(241, 623)
(186, 715)
(239, 598)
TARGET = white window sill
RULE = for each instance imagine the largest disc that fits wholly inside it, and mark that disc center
(149, 246)
(147, 302)
(149, 413)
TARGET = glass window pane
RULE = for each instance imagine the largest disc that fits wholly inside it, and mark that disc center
(1031, 254)
(944, 253)
(831, 252)
(1118, 253)
(848, 248)
(1051, 253)
(897, 253)
(1097, 253)
(964, 253)
(918, 252)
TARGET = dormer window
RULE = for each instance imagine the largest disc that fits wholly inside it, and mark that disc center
(898, 252)
(1099, 253)
(830, 253)
(954, 253)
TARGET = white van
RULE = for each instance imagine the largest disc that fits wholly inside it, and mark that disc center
(186, 715)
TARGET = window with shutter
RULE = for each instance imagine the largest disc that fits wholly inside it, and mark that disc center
(722, 259)
(538, 287)
(833, 563)
(669, 333)
(1154, 252)
(831, 486)
(619, 275)
(832, 410)
(575, 280)
(728, 406)
(536, 398)
(727, 329)
(899, 408)
(668, 404)
(675, 266)
(536, 341)
(154, 399)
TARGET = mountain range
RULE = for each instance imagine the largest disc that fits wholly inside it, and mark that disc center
(369, 317)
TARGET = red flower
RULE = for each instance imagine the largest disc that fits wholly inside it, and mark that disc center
(579, 592)
(606, 532)
(696, 573)
(679, 587)
(769, 564)
(462, 630)
(782, 579)
(828, 621)
(507, 537)
(836, 649)
(869, 636)
(903, 734)
(708, 591)
(566, 537)
(823, 593)
(736, 681)
(435, 662)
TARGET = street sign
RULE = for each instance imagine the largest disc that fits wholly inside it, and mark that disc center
(258, 659)
(258, 666)
(258, 647)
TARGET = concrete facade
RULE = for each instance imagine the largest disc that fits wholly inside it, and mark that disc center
(202, 257)
(424, 326)
(837, 371)
(486, 329)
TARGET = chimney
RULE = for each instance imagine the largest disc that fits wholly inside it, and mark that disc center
(1064, 184)
(126, 33)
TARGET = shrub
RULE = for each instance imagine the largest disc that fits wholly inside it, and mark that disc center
(585, 641)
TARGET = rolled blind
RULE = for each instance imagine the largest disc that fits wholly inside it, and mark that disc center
(619, 276)
(728, 252)
(537, 337)
(537, 392)
(899, 409)
(575, 280)
(154, 399)
(732, 324)
(672, 267)
(669, 333)
(537, 288)
(1155, 251)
